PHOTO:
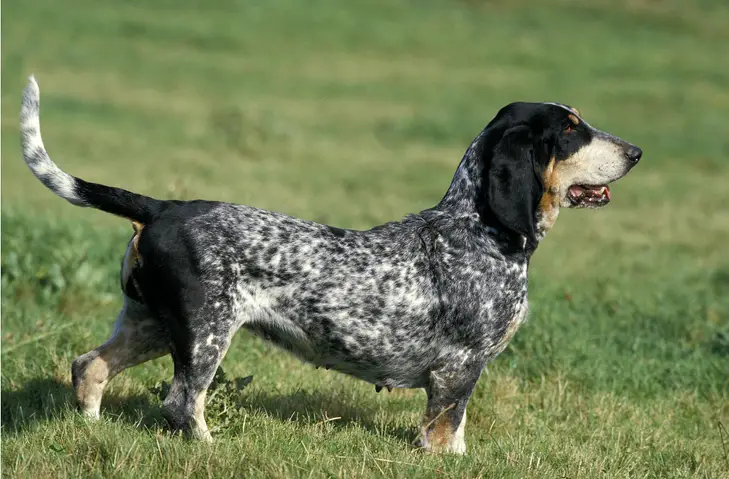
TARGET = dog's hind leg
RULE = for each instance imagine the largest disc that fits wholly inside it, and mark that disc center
(196, 359)
(137, 337)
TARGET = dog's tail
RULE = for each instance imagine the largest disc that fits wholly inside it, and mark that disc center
(117, 201)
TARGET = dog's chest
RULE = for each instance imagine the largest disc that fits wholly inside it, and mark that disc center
(505, 333)
(496, 305)
(515, 297)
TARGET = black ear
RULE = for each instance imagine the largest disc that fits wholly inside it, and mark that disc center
(515, 187)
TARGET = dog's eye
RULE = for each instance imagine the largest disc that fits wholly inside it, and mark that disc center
(569, 128)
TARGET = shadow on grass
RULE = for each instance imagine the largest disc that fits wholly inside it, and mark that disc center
(48, 399)
(326, 406)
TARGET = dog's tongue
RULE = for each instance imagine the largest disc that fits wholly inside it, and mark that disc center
(579, 191)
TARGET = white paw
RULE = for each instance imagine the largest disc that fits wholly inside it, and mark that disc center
(456, 446)
(91, 413)
(202, 435)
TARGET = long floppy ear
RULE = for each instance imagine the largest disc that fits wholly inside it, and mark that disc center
(514, 186)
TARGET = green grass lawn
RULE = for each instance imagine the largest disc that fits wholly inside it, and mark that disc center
(356, 113)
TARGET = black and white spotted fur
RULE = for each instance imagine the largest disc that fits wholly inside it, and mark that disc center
(424, 302)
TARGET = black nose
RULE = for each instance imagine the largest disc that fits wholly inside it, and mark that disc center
(633, 153)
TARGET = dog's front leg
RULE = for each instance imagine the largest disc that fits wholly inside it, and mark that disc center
(444, 424)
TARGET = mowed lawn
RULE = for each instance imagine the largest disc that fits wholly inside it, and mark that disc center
(356, 113)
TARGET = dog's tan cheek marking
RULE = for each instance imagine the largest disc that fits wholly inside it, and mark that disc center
(551, 188)
(549, 203)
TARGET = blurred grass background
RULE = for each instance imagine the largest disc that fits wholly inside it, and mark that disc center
(356, 113)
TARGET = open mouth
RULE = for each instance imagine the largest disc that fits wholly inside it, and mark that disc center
(588, 195)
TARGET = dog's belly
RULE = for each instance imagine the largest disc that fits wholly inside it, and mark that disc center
(382, 369)
(385, 349)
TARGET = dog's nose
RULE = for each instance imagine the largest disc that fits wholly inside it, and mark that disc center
(633, 153)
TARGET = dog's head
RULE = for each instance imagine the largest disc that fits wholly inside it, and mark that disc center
(536, 157)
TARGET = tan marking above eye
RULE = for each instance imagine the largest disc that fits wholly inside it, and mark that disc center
(575, 121)
(577, 112)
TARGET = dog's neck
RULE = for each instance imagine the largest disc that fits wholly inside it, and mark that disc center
(548, 208)
(465, 189)
(465, 195)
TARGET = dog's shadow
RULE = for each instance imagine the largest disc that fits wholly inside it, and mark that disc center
(324, 406)
(46, 399)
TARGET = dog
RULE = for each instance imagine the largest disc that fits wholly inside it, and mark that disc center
(424, 302)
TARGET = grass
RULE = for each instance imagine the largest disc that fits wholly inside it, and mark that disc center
(355, 113)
